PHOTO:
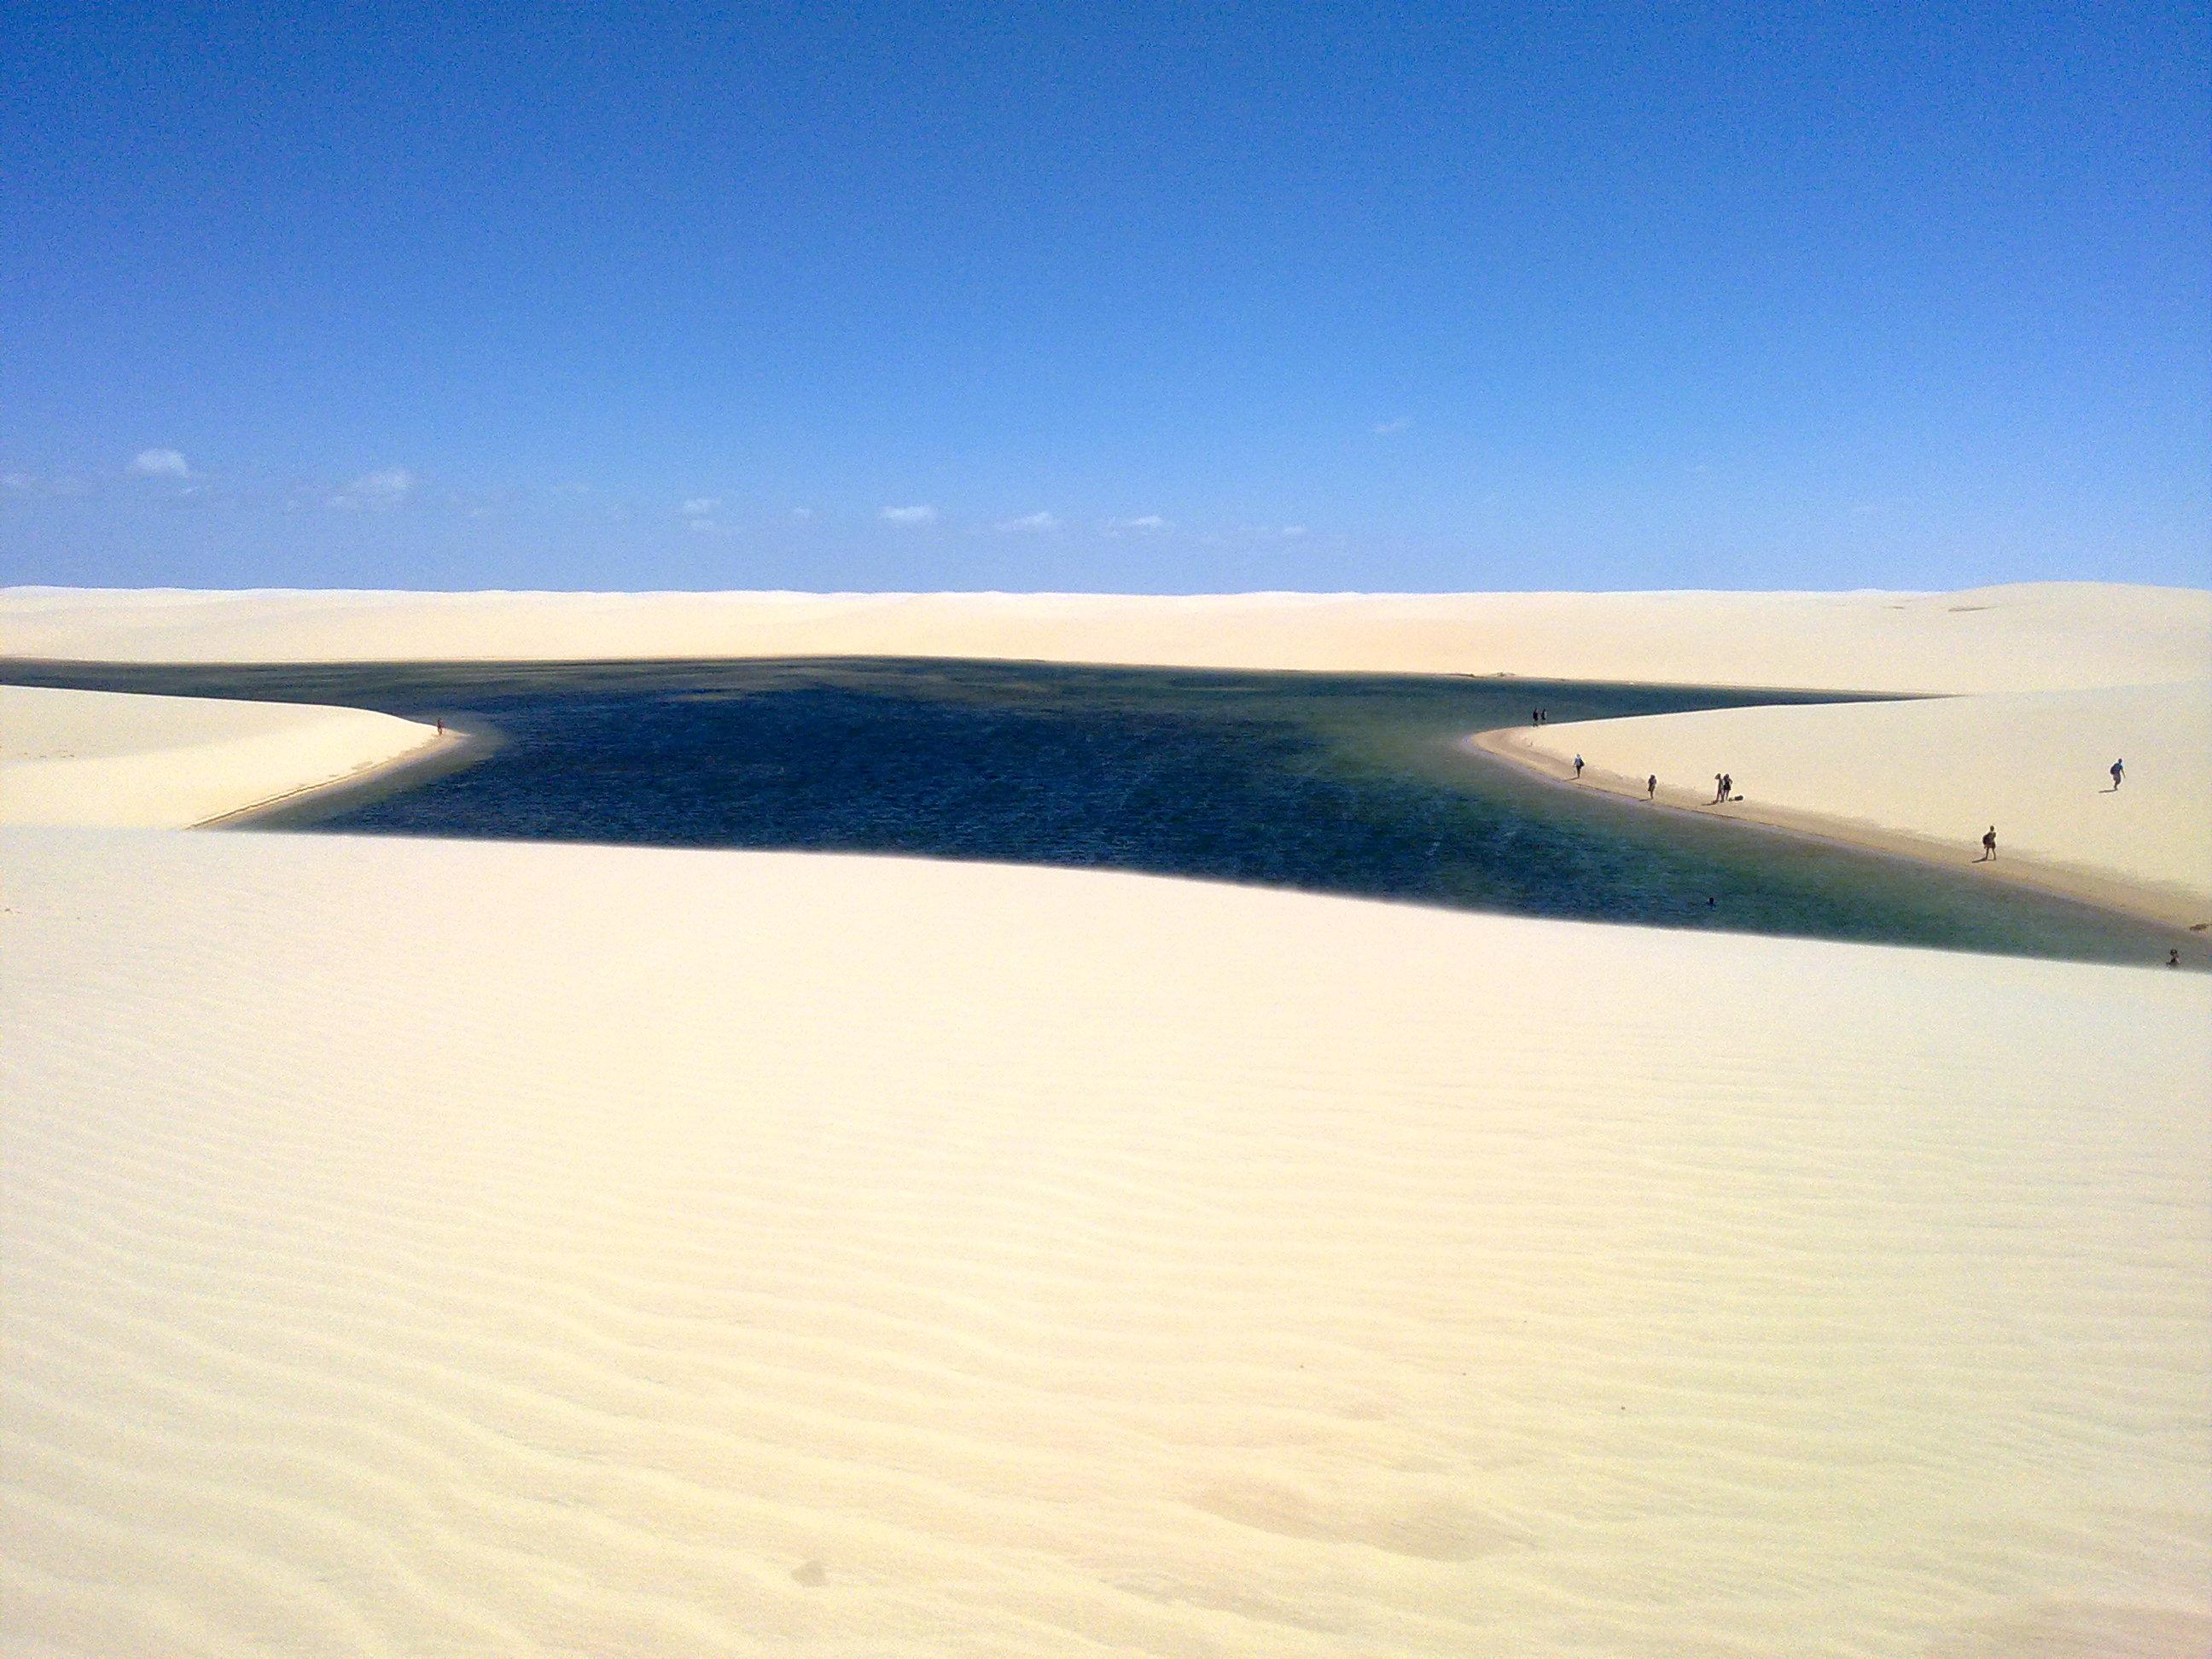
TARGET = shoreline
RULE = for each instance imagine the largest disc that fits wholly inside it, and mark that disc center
(2187, 916)
(453, 745)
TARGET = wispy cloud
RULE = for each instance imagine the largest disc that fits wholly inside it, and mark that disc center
(29, 484)
(700, 514)
(1030, 522)
(1384, 428)
(387, 487)
(1144, 525)
(802, 513)
(908, 515)
(159, 463)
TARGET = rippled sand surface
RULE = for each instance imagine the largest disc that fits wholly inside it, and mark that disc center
(439, 1248)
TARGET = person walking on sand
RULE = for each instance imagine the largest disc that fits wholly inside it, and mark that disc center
(1578, 769)
(1728, 786)
(1716, 789)
(1651, 787)
(2173, 958)
(2119, 771)
(1989, 845)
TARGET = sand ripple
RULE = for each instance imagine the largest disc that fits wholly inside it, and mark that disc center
(416, 1248)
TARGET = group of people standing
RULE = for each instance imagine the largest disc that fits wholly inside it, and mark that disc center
(1724, 784)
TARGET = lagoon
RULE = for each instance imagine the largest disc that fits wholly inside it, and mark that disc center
(1347, 783)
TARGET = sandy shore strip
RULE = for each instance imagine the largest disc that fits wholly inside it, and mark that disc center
(1924, 779)
(437, 1247)
(99, 758)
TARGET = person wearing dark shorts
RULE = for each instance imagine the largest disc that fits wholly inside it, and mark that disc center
(1989, 844)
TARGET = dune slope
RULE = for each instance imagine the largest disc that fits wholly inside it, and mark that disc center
(418, 1247)
(1936, 773)
(99, 758)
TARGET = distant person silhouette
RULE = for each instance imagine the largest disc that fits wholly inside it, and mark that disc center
(2119, 771)
(1578, 767)
(1717, 788)
(1651, 787)
(1728, 786)
(1989, 845)
(2173, 958)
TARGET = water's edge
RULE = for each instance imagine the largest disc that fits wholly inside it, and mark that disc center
(1356, 784)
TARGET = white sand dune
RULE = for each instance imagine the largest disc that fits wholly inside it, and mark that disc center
(2039, 637)
(422, 1248)
(419, 1248)
(1929, 776)
(96, 757)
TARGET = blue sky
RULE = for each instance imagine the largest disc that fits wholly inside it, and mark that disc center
(1157, 298)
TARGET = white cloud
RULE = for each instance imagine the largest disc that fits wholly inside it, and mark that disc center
(1384, 428)
(802, 513)
(701, 506)
(159, 463)
(1031, 521)
(385, 487)
(908, 515)
(29, 484)
(1291, 532)
(1144, 525)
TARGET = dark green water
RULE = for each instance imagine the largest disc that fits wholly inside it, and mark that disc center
(1338, 783)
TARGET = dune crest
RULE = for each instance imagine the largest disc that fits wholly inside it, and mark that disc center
(2032, 637)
